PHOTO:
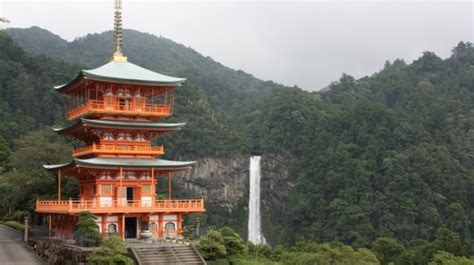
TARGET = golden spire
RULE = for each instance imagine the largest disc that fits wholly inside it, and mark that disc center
(118, 56)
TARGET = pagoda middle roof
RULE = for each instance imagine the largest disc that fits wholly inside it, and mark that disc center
(83, 122)
(106, 162)
(125, 72)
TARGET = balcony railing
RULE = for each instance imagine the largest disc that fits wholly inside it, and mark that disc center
(117, 149)
(120, 206)
(115, 106)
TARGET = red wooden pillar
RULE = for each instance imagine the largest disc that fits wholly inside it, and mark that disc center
(60, 226)
(103, 225)
(153, 191)
(63, 229)
(169, 186)
(70, 220)
(122, 233)
(49, 225)
(66, 226)
(160, 226)
(179, 222)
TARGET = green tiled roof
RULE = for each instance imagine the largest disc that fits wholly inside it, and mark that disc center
(133, 123)
(122, 124)
(125, 163)
(126, 72)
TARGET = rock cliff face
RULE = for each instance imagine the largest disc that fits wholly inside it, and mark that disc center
(224, 182)
(221, 181)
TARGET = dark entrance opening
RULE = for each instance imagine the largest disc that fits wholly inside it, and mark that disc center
(130, 227)
(130, 194)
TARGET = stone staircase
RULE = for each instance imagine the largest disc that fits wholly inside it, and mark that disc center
(157, 255)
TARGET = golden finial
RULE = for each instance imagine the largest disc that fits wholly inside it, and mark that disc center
(118, 56)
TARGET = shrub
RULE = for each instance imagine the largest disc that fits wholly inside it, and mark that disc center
(212, 246)
(278, 253)
(233, 243)
(449, 241)
(446, 258)
(18, 226)
(263, 250)
(387, 250)
(111, 251)
(87, 231)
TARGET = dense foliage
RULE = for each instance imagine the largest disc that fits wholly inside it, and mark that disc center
(233, 251)
(27, 100)
(227, 247)
(87, 232)
(385, 156)
(112, 251)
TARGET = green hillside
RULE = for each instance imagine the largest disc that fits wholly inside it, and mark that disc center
(226, 88)
(27, 100)
(388, 155)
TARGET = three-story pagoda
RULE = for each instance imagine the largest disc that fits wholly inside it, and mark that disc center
(117, 108)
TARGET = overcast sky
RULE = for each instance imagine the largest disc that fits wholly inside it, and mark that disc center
(308, 44)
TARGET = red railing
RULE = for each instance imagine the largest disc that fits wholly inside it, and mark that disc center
(120, 206)
(117, 149)
(114, 106)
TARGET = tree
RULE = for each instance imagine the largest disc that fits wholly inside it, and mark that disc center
(448, 241)
(38, 148)
(3, 22)
(387, 249)
(421, 252)
(4, 156)
(112, 251)
(331, 254)
(233, 243)
(445, 258)
(278, 253)
(263, 250)
(212, 246)
(86, 230)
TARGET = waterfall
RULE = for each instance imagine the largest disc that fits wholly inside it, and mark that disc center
(255, 230)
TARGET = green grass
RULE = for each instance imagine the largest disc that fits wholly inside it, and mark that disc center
(17, 226)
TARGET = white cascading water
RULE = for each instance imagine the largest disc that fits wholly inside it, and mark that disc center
(255, 230)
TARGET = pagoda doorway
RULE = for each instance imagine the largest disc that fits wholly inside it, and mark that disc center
(130, 227)
(130, 195)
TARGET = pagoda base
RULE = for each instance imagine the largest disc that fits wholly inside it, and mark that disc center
(126, 226)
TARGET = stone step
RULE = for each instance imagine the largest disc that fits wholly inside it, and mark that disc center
(168, 255)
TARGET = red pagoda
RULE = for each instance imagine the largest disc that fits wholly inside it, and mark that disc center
(117, 108)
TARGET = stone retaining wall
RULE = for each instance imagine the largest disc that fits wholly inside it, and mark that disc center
(55, 253)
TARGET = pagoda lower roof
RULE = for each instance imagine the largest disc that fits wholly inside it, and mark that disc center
(96, 123)
(126, 73)
(136, 163)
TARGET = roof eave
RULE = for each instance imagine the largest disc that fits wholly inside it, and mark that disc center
(176, 82)
(70, 85)
(93, 123)
(184, 166)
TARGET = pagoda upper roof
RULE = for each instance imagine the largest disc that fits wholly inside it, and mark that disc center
(124, 72)
(96, 123)
(106, 162)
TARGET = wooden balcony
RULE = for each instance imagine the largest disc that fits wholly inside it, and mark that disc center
(120, 206)
(117, 149)
(114, 106)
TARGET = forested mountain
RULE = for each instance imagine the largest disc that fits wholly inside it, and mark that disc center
(390, 155)
(27, 101)
(227, 89)
(386, 155)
